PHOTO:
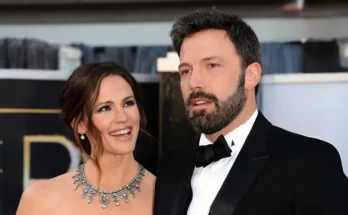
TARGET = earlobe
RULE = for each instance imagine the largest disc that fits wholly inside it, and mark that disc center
(252, 76)
(81, 129)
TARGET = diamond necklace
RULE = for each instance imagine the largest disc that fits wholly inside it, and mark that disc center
(89, 191)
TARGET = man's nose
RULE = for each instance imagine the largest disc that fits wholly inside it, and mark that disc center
(196, 80)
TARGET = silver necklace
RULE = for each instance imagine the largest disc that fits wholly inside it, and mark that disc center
(89, 191)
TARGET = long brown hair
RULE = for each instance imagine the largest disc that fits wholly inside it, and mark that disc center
(79, 96)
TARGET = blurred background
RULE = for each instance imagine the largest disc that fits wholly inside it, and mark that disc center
(303, 89)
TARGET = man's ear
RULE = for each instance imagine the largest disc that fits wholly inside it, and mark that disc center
(252, 76)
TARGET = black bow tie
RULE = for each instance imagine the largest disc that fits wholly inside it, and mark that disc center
(213, 152)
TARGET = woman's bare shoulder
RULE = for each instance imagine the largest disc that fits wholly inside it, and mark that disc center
(150, 175)
(41, 194)
(149, 180)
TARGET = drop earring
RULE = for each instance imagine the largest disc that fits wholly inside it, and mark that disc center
(82, 137)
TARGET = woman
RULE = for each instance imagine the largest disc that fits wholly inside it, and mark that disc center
(101, 104)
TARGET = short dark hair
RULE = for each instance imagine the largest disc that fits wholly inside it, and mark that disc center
(240, 33)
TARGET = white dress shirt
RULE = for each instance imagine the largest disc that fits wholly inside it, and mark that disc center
(207, 181)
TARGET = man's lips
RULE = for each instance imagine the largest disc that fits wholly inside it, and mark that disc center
(200, 102)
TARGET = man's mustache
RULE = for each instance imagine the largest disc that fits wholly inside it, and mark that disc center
(203, 95)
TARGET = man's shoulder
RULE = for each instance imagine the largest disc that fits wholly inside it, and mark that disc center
(177, 155)
(182, 148)
(299, 143)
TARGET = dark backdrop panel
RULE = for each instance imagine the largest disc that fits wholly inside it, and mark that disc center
(1, 178)
(174, 127)
(47, 136)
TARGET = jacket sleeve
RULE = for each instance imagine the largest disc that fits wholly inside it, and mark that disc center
(321, 186)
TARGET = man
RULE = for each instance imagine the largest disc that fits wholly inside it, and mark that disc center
(243, 164)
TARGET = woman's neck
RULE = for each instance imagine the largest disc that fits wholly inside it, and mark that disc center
(116, 171)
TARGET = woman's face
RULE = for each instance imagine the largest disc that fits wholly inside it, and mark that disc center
(116, 116)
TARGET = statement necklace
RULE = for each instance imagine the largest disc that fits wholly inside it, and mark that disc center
(89, 191)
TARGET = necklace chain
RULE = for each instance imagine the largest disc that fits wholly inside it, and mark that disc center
(89, 191)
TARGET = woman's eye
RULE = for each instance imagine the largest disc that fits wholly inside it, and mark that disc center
(129, 103)
(104, 108)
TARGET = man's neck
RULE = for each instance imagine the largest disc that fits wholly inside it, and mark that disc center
(242, 118)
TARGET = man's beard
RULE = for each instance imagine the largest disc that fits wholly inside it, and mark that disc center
(225, 111)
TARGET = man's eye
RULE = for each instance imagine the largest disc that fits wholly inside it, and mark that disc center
(213, 65)
(184, 72)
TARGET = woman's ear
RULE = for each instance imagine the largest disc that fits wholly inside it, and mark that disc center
(252, 76)
(81, 128)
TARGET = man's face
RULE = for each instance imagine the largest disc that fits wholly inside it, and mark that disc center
(212, 81)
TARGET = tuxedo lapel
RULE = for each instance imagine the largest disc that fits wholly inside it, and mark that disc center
(247, 166)
(181, 193)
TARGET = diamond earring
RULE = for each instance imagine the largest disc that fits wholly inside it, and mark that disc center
(82, 137)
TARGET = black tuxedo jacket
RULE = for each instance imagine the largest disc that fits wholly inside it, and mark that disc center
(277, 172)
